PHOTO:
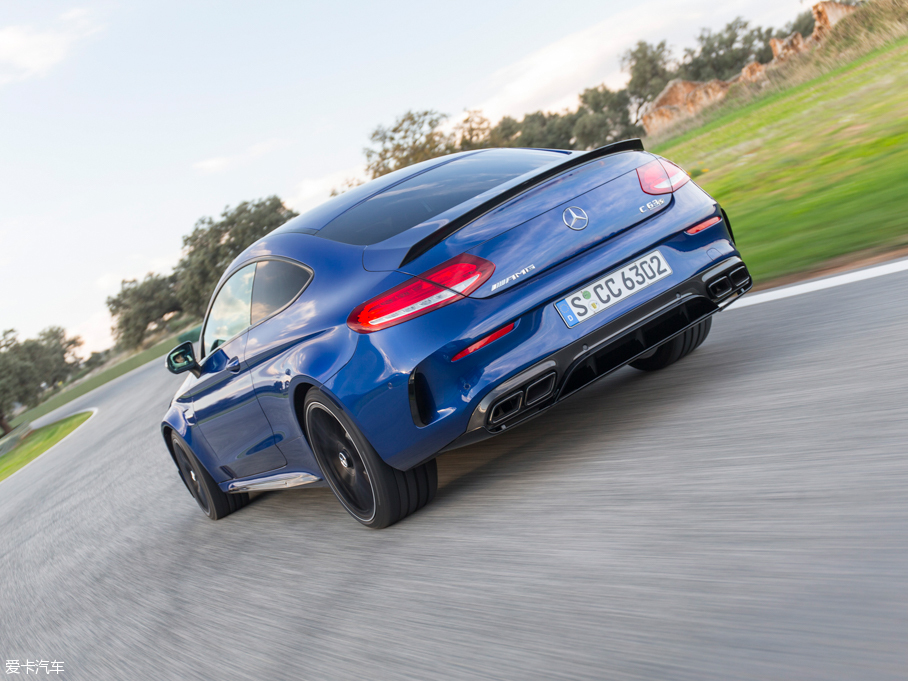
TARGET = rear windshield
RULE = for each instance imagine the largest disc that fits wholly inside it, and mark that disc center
(420, 198)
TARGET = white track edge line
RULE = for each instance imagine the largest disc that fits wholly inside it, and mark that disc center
(820, 284)
(93, 410)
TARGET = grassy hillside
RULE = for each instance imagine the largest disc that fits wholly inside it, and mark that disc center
(38, 442)
(814, 172)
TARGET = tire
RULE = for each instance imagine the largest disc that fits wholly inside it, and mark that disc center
(373, 492)
(213, 502)
(678, 347)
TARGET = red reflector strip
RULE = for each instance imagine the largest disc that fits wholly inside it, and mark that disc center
(492, 337)
(696, 229)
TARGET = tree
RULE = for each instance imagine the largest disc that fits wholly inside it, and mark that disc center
(415, 136)
(506, 133)
(803, 24)
(605, 117)
(650, 69)
(54, 354)
(30, 366)
(473, 132)
(212, 246)
(723, 54)
(19, 380)
(141, 304)
(543, 130)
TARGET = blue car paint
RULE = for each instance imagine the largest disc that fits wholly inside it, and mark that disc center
(532, 204)
(367, 375)
(373, 386)
(230, 416)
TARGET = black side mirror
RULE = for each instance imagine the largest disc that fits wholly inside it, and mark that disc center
(182, 358)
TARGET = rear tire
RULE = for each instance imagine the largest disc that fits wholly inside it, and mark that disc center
(678, 347)
(213, 502)
(373, 492)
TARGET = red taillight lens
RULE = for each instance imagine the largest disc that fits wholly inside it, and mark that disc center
(696, 229)
(661, 177)
(440, 286)
(492, 337)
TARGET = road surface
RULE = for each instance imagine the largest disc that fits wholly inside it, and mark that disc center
(741, 515)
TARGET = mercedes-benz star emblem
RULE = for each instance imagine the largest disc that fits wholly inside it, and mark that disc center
(575, 218)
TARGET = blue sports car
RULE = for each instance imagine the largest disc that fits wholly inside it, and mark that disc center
(437, 306)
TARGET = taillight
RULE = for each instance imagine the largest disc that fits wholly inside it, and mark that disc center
(440, 286)
(491, 338)
(661, 177)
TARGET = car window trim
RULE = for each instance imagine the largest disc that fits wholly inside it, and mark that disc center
(250, 326)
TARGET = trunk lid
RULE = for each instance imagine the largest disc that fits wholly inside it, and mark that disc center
(576, 224)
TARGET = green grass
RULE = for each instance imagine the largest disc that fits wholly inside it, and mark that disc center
(71, 393)
(38, 442)
(813, 173)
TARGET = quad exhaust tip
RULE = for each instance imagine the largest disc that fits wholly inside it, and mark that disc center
(739, 277)
(519, 400)
(720, 288)
(506, 408)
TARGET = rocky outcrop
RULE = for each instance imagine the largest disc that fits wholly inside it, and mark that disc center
(754, 72)
(826, 15)
(674, 93)
(682, 99)
(782, 49)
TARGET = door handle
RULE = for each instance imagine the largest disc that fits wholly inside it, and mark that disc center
(233, 365)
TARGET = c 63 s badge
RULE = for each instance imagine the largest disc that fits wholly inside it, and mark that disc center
(652, 205)
(513, 277)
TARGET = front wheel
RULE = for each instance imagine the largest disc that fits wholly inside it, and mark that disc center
(373, 492)
(213, 502)
(678, 347)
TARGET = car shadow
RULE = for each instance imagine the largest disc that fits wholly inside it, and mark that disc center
(626, 399)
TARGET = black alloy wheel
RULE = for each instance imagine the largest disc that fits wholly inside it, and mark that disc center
(373, 492)
(341, 462)
(191, 477)
(214, 502)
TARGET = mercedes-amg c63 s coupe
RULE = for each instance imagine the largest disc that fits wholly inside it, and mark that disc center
(437, 306)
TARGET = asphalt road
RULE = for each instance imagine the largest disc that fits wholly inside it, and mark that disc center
(740, 515)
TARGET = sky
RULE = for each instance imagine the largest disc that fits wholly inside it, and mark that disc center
(122, 123)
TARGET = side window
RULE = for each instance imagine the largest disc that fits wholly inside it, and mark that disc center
(277, 282)
(231, 310)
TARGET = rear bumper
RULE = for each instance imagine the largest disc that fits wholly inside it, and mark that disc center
(604, 350)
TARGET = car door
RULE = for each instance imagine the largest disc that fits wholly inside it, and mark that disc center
(226, 407)
(278, 283)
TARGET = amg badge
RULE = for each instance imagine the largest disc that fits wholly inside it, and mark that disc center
(514, 276)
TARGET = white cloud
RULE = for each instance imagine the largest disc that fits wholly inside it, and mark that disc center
(95, 332)
(550, 78)
(28, 53)
(312, 191)
(135, 266)
(219, 164)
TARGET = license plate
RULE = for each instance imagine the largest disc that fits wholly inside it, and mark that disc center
(587, 302)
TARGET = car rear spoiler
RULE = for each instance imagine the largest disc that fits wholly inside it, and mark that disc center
(427, 243)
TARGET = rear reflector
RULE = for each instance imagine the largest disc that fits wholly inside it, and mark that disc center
(696, 229)
(492, 337)
(661, 177)
(440, 286)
